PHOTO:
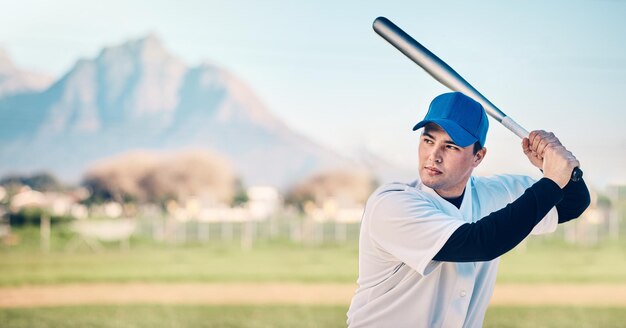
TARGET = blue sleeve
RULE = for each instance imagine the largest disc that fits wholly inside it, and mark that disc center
(575, 201)
(500, 231)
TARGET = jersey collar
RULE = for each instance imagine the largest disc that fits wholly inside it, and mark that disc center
(466, 206)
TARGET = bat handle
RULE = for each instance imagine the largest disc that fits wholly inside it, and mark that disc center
(510, 124)
(514, 127)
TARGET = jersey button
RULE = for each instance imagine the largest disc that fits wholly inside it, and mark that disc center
(463, 293)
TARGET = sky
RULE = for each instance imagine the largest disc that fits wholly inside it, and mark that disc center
(553, 65)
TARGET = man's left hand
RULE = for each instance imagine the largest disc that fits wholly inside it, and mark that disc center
(535, 145)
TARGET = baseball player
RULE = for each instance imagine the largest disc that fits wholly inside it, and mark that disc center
(428, 250)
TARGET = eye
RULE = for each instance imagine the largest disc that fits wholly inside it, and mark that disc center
(428, 141)
(451, 147)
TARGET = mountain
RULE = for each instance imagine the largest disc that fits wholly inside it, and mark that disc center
(140, 96)
(14, 80)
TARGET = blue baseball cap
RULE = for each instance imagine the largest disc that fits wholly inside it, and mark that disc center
(463, 118)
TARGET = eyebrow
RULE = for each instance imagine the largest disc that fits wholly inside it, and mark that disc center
(450, 142)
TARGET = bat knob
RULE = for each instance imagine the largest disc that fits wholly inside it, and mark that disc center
(577, 174)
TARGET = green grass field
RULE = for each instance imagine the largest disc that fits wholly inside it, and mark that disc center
(541, 260)
(155, 316)
(276, 261)
(550, 260)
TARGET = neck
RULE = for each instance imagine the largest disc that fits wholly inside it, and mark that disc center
(457, 201)
(450, 194)
(453, 192)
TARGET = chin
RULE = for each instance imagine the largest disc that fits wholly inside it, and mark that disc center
(430, 182)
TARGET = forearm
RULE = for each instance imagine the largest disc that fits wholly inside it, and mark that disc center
(575, 201)
(500, 231)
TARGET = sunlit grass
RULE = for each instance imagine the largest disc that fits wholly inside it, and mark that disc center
(155, 316)
(552, 260)
(554, 317)
(542, 260)
(277, 261)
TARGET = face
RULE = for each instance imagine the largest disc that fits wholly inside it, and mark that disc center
(443, 165)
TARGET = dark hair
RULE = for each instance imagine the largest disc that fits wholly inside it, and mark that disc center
(477, 147)
(428, 126)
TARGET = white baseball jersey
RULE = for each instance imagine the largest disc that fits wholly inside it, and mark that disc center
(404, 226)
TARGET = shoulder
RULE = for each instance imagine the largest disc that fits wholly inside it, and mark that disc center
(398, 199)
(503, 181)
(506, 185)
(397, 191)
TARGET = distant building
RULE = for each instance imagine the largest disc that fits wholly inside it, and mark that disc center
(263, 202)
(58, 204)
(335, 209)
(26, 198)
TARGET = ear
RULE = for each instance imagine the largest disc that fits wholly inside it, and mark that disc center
(479, 156)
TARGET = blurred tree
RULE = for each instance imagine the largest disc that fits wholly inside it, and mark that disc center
(118, 178)
(241, 196)
(199, 174)
(345, 187)
(42, 181)
(148, 177)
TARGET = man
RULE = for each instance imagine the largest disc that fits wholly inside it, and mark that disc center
(428, 251)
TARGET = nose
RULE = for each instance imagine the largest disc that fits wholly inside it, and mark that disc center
(435, 155)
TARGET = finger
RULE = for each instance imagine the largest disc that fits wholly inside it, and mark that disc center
(550, 138)
(536, 140)
(540, 146)
(532, 136)
(526, 145)
(537, 143)
(544, 143)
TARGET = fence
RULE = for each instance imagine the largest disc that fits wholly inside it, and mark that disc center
(234, 226)
(296, 228)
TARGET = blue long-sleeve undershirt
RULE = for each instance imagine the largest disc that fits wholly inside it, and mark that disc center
(500, 231)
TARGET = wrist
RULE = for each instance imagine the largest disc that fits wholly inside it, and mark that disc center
(556, 180)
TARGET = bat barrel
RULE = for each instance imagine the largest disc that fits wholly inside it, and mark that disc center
(434, 66)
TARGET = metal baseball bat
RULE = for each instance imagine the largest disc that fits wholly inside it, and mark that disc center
(443, 73)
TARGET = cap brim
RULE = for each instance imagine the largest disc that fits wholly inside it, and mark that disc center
(459, 135)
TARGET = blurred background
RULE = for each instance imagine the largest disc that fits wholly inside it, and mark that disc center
(206, 163)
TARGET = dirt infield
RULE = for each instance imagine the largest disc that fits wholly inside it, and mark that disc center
(282, 293)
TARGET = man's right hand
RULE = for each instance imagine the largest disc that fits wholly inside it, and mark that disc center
(557, 163)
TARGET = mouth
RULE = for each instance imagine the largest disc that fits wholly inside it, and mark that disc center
(431, 170)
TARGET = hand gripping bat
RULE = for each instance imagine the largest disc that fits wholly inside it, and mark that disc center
(443, 73)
